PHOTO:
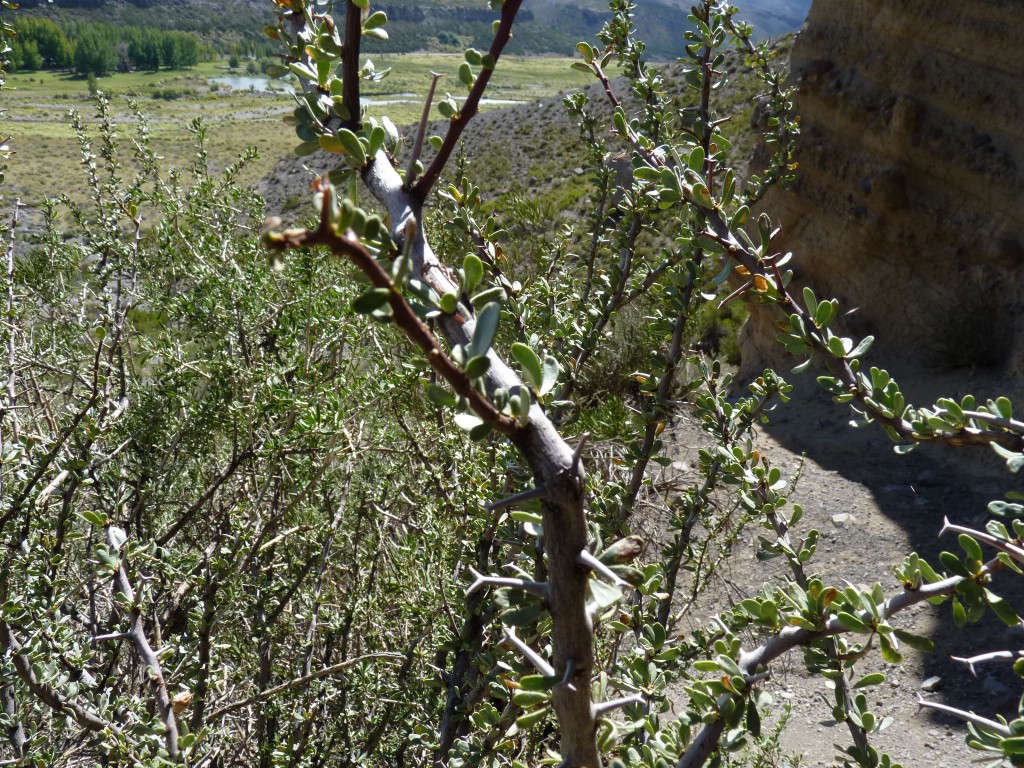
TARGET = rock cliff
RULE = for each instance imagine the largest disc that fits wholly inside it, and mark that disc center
(909, 205)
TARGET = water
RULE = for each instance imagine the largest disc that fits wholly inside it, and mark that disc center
(250, 83)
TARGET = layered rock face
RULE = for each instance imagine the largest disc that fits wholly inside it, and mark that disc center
(909, 206)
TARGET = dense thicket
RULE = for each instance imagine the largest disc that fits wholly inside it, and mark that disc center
(340, 495)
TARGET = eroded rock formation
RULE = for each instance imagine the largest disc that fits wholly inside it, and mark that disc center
(910, 202)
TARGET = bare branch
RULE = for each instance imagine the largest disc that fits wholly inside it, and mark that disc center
(519, 498)
(597, 566)
(984, 658)
(298, 682)
(136, 631)
(538, 588)
(531, 655)
(1017, 553)
(48, 695)
(605, 707)
(969, 717)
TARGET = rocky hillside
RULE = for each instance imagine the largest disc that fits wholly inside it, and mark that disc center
(910, 200)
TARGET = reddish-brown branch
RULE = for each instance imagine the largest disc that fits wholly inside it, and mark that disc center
(471, 105)
(348, 246)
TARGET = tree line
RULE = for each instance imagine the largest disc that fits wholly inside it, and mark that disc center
(99, 49)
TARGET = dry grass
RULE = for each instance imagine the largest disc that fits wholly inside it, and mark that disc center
(48, 159)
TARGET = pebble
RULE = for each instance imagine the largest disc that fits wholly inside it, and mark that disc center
(843, 518)
(932, 683)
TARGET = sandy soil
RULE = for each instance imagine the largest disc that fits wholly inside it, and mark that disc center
(872, 508)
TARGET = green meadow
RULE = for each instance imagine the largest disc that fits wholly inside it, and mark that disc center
(47, 159)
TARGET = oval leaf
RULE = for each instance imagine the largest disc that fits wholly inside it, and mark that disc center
(530, 363)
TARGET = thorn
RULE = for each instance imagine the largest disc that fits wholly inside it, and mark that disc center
(111, 636)
(422, 129)
(594, 564)
(570, 667)
(966, 662)
(542, 666)
(737, 293)
(538, 588)
(579, 449)
(608, 706)
(519, 498)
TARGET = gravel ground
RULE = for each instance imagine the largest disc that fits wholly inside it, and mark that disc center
(872, 508)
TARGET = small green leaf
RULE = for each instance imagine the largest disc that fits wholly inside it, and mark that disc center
(1002, 609)
(530, 364)
(1003, 407)
(95, 518)
(864, 346)
(371, 300)
(918, 643)
(696, 159)
(953, 564)
(440, 396)
(959, 614)
(526, 699)
(604, 595)
(477, 366)
(875, 678)
(486, 326)
(521, 405)
(853, 623)
(449, 302)
(970, 546)
(753, 719)
(549, 378)
(495, 293)
(534, 683)
(353, 146)
(889, 652)
(723, 275)
(473, 270)
(306, 148)
(375, 20)
(525, 516)
(1006, 509)
(480, 432)
(532, 718)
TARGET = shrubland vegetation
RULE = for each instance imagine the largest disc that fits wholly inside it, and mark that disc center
(354, 502)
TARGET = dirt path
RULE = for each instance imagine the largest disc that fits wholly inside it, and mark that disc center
(873, 507)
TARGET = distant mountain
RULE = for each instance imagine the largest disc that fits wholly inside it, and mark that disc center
(660, 22)
(546, 26)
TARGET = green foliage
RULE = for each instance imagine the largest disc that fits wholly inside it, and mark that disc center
(98, 48)
(242, 518)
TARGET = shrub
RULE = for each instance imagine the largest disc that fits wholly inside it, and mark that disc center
(330, 505)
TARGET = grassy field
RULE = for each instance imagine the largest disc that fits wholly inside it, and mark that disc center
(47, 160)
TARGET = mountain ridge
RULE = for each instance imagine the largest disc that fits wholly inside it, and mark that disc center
(546, 26)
